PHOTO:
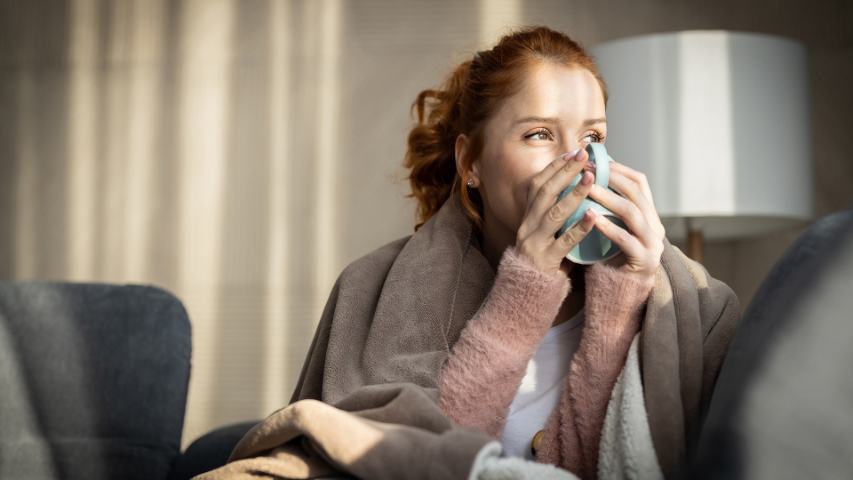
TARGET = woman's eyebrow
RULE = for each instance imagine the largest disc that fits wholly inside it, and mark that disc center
(590, 121)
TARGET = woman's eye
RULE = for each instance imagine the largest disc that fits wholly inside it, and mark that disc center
(544, 134)
(538, 134)
(597, 138)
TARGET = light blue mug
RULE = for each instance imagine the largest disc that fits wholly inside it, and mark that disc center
(595, 247)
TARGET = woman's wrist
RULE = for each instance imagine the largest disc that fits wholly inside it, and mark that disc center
(616, 296)
(524, 299)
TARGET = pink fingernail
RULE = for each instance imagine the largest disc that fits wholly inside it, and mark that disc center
(571, 154)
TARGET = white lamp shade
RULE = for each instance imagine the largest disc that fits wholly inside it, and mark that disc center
(719, 123)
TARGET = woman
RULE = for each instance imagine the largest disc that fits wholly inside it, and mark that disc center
(480, 307)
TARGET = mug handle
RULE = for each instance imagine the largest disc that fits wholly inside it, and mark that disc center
(599, 157)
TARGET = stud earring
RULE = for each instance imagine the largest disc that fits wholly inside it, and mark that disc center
(470, 182)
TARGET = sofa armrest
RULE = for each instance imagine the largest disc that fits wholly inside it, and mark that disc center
(209, 451)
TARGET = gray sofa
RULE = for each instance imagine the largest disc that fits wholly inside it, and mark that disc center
(783, 403)
(93, 381)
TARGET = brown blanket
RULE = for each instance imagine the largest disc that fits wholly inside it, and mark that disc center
(389, 431)
(393, 315)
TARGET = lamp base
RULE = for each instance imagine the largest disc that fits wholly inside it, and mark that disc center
(695, 245)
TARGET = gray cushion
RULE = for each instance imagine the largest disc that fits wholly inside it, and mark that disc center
(783, 403)
(94, 380)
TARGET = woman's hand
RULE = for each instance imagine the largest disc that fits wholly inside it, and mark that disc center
(642, 247)
(543, 217)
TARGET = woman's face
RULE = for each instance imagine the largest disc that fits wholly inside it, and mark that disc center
(557, 110)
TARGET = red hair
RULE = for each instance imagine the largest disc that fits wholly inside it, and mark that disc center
(469, 96)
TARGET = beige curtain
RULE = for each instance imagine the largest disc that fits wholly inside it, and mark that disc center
(236, 153)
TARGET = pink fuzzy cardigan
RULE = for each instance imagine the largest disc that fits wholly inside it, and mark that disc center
(486, 365)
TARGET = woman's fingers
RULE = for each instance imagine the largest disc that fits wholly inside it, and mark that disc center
(546, 212)
(560, 211)
(572, 236)
(540, 178)
(625, 209)
(556, 182)
(629, 189)
(544, 189)
(635, 252)
(638, 178)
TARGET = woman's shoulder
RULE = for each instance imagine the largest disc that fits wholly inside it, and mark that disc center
(375, 263)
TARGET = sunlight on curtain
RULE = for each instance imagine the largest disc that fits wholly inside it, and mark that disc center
(326, 187)
(82, 148)
(112, 208)
(205, 53)
(146, 37)
(275, 393)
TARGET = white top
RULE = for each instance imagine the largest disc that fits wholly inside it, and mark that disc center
(541, 386)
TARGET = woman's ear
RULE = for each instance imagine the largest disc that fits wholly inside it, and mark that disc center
(461, 149)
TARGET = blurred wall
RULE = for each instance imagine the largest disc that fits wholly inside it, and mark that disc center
(241, 153)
